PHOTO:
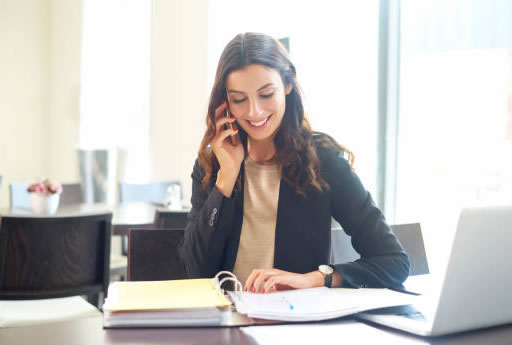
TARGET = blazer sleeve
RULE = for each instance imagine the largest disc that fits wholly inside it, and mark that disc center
(383, 261)
(208, 226)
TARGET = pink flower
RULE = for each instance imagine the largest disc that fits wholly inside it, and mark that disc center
(40, 188)
(45, 186)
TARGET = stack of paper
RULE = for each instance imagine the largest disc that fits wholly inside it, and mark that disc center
(191, 302)
(316, 304)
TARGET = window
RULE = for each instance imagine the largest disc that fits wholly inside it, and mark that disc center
(114, 97)
(455, 121)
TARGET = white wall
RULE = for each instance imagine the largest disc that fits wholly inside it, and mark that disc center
(179, 94)
(64, 86)
(40, 88)
(24, 91)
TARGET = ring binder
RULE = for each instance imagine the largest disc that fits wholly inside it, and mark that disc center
(186, 302)
(203, 303)
(231, 277)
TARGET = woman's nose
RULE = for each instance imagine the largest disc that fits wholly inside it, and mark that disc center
(255, 109)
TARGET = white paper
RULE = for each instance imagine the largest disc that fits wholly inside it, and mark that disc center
(316, 304)
(338, 332)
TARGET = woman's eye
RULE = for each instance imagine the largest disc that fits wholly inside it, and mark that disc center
(238, 100)
(267, 95)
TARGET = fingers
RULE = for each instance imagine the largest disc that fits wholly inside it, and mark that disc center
(224, 121)
(249, 284)
(270, 280)
(261, 279)
(222, 135)
(224, 126)
(280, 282)
(258, 278)
(255, 279)
(221, 110)
(270, 284)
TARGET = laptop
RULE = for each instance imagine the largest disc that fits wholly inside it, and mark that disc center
(476, 291)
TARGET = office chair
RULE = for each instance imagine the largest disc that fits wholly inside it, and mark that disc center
(409, 235)
(411, 238)
(146, 192)
(71, 194)
(153, 254)
(170, 219)
(47, 263)
(18, 196)
(164, 219)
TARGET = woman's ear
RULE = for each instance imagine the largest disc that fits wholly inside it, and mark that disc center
(288, 89)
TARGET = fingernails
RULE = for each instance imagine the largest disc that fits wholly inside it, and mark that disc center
(232, 117)
(235, 129)
(254, 290)
(245, 289)
(263, 291)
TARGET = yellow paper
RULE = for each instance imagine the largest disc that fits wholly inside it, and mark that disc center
(162, 295)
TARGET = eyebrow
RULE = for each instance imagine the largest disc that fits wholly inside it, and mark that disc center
(261, 88)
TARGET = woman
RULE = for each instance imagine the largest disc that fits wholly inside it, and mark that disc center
(265, 186)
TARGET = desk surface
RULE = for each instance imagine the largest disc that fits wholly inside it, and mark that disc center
(89, 331)
(126, 215)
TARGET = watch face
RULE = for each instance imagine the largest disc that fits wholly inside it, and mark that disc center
(325, 269)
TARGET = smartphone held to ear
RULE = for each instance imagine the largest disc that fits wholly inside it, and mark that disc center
(229, 126)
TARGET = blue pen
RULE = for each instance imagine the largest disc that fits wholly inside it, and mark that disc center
(291, 307)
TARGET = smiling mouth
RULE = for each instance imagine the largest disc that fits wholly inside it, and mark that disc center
(258, 124)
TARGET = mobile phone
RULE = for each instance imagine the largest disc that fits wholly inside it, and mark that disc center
(228, 125)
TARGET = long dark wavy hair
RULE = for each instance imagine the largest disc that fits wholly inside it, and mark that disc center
(295, 149)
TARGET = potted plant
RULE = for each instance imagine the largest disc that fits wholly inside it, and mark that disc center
(45, 195)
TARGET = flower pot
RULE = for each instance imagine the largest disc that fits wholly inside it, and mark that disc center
(44, 203)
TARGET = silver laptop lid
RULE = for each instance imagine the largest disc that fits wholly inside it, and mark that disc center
(477, 288)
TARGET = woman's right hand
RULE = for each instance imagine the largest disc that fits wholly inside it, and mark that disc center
(229, 152)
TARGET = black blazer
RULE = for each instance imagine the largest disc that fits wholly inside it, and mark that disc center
(303, 229)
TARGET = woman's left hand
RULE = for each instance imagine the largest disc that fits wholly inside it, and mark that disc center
(269, 280)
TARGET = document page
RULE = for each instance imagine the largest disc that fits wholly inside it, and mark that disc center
(315, 304)
(336, 332)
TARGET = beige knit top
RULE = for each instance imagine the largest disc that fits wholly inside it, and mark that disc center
(261, 195)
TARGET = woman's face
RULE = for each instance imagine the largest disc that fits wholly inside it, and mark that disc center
(256, 96)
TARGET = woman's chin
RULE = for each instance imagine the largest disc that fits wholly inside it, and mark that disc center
(261, 136)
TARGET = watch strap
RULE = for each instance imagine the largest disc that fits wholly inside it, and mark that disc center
(328, 280)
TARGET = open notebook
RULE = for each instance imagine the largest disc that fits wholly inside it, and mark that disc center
(315, 304)
(202, 302)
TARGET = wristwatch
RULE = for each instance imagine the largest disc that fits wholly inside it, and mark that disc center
(327, 271)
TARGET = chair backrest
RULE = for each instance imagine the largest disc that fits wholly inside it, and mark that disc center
(170, 219)
(409, 236)
(164, 219)
(18, 196)
(341, 247)
(49, 257)
(153, 254)
(71, 194)
(145, 192)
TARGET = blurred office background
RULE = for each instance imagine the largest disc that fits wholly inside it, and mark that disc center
(420, 91)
